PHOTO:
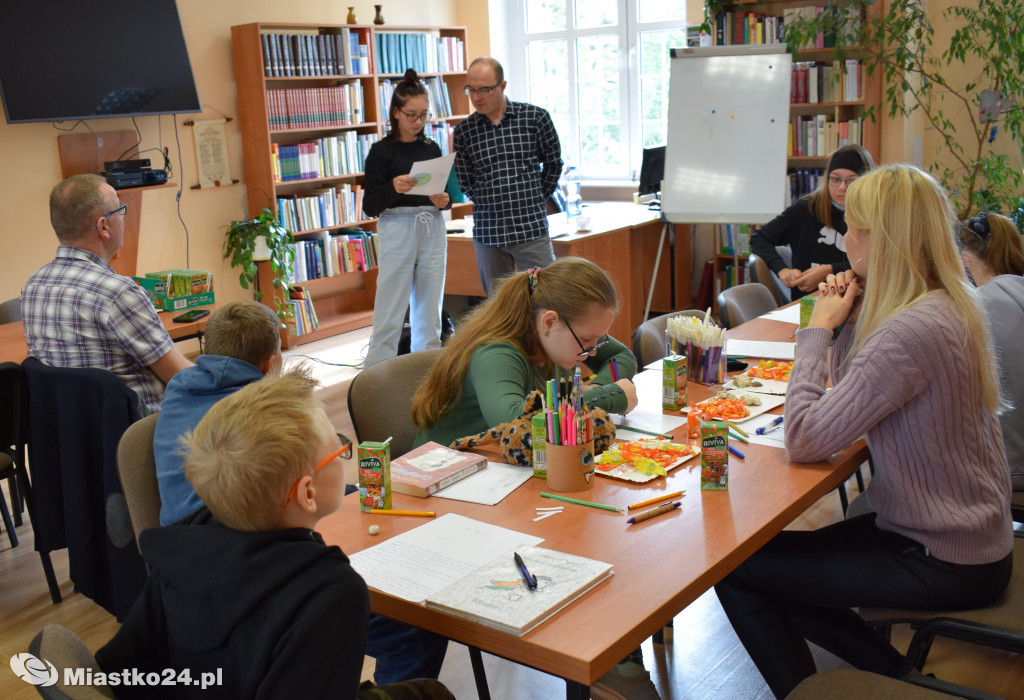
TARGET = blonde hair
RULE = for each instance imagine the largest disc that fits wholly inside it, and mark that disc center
(907, 222)
(820, 201)
(1002, 250)
(568, 286)
(244, 330)
(251, 446)
(76, 203)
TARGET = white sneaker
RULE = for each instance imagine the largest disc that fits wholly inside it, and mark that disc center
(628, 680)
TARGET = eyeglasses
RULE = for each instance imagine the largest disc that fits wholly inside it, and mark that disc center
(979, 225)
(480, 91)
(413, 117)
(346, 449)
(123, 209)
(837, 181)
(585, 351)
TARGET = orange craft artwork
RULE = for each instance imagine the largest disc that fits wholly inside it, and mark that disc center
(770, 369)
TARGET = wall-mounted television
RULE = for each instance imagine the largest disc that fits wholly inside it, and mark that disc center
(75, 59)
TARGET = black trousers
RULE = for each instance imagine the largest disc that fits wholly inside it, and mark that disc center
(801, 587)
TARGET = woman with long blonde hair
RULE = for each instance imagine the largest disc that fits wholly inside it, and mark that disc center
(538, 325)
(913, 371)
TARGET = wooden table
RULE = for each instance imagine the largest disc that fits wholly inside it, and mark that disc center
(623, 240)
(14, 348)
(661, 565)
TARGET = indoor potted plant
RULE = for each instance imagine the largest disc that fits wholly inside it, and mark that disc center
(254, 240)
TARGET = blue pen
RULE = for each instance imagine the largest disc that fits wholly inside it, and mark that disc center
(736, 452)
(529, 579)
(770, 427)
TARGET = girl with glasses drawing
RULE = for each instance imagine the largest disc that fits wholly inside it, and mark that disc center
(410, 232)
(539, 325)
(813, 227)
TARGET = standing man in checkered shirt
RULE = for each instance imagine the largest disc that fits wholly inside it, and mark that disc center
(78, 312)
(508, 161)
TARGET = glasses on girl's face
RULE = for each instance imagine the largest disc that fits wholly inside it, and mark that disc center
(346, 449)
(837, 181)
(414, 117)
(585, 351)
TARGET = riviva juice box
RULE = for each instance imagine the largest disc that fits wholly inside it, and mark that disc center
(673, 382)
(374, 476)
(714, 455)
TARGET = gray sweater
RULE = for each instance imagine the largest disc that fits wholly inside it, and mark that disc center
(913, 390)
(1003, 297)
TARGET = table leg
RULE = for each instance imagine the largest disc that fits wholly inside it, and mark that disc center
(479, 675)
(576, 691)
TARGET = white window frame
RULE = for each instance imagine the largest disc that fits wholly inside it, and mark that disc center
(511, 35)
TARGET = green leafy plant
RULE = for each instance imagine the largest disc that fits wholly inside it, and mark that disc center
(240, 246)
(951, 87)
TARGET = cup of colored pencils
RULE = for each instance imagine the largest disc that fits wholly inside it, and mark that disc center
(703, 342)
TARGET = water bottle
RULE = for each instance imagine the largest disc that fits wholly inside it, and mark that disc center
(573, 200)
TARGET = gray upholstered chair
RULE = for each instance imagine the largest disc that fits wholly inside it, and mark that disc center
(64, 649)
(10, 310)
(999, 625)
(649, 339)
(136, 466)
(744, 302)
(380, 399)
(760, 272)
(851, 684)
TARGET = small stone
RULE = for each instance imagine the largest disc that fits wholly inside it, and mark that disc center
(375, 529)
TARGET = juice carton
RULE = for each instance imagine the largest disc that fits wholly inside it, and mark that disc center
(374, 476)
(540, 443)
(806, 307)
(714, 455)
(673, 382)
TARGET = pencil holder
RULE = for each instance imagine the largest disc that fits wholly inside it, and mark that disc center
(570, 467)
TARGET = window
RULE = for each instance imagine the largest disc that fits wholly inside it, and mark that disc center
(601, 68)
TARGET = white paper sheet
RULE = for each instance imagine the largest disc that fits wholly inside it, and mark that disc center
(775, 438)
(787, 314)
(424, 560)
(431, 175)
(761, 348)
(488, 486)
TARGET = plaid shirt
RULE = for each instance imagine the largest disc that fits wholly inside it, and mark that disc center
(78, 312)
(499, 168)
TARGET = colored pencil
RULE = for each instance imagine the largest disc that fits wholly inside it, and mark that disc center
(420, 513)
(645, 432)
(649, 501)
(738, 429)
(737, 437)
(602, 506)
(736, 452)
(667, 508)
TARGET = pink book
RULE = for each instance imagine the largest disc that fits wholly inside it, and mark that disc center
(432, 467)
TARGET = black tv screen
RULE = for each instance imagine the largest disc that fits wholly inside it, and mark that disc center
(76, 59)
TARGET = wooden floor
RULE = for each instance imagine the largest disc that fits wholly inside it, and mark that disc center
(704, 659)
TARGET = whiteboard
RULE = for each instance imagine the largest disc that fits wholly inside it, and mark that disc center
(728, 119)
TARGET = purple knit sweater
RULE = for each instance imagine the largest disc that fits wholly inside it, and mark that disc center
(941, 477)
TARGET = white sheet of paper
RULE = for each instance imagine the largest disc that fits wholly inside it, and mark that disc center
(647, 415)
(424, 560)
(761, 348)
(431, 175)
(775, 438)
(787, 314)
(488, 486)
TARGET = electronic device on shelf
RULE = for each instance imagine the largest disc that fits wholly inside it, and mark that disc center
(122, 174)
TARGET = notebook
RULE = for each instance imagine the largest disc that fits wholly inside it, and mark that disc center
(431, 467)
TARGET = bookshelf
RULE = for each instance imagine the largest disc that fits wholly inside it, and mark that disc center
(819, 101)
(317, 87)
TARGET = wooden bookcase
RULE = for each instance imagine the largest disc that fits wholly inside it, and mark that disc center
(835, 111)
(343, 302)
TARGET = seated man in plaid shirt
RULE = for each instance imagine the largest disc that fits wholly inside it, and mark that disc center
(508, 161)
(78, 312)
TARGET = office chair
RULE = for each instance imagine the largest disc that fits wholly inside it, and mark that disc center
(649, 339)
(760, 272)
(851, 684)
(136, 466)
(999, 625)
(380, 399)
(64, 649)
(744, 302)
(10, 310)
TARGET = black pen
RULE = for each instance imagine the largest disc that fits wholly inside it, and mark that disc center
(529, 579)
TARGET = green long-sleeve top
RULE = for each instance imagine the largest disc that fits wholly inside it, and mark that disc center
(500, 377)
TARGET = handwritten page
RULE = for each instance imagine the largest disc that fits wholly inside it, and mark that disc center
(431, 175)
(488, 486)
(424, 560)
(761, 348)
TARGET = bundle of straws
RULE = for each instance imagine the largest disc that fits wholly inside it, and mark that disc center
(703, 343)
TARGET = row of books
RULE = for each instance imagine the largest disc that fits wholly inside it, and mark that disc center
(442, 133)
(819, 134)
(438, 101)
(296, 55)
(731, 276)
(802, 182)
(325, 254)
(733, 239)
(324, 208)
(301, 315)
(756, 28)
(814, 83)
(305, 108)
(331, 156)
(421, 51)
